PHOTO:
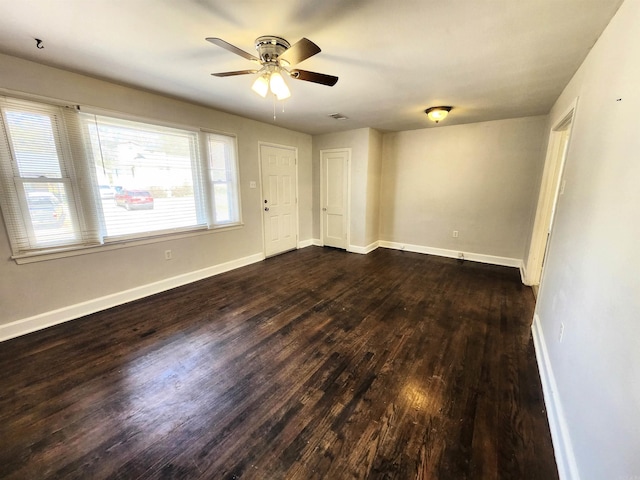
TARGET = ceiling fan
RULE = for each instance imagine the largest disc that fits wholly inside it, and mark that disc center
(276, 56)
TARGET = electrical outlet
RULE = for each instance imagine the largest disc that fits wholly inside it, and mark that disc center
(561, 333)
(167, 255)
(455, 234)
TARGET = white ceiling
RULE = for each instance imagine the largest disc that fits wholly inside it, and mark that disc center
(490, 59)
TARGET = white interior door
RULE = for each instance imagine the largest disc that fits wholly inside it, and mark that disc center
(279, 189)
(334, 194)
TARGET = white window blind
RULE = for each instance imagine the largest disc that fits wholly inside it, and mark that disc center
(148, 176)
(71, 179)
(223, 175)
(37, 182)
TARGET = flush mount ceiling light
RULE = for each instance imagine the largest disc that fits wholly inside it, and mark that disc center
(436, 114)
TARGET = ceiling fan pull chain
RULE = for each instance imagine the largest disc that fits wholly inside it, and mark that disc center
(274, 107)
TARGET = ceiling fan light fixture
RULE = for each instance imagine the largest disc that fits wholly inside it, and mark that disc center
(278, 87)
(275, 55)
(436, 114)
(261, 86)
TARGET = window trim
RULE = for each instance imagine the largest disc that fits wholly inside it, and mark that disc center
(82, 247)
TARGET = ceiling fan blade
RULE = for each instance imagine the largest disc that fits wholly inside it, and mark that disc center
(314, 77)
(232, 48)
(231, 74)
(300, 51)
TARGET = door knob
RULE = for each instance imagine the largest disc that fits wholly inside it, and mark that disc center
(324, 209)
(266, 209)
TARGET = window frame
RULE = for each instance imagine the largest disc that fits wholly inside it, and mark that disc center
(235, 164)
(84, 196)
(148, 126)
(15, 208)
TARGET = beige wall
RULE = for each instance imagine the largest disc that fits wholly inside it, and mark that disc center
(31, 289)
(479, 179)
(591, 282)
(416, 187)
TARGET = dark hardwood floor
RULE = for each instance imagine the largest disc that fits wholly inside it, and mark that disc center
(313, 364)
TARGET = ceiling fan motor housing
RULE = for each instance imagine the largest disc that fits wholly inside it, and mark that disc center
(270, 48)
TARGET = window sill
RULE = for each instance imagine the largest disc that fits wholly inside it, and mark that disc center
(63, 252)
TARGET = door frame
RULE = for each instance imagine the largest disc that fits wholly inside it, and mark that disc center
(348, 193)
(550, 190)
(261, 205)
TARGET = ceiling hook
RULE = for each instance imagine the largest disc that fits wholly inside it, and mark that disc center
(39, 44)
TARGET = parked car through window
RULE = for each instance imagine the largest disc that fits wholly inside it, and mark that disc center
(134, 199)
(45, 209)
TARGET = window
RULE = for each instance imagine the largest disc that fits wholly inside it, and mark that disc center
(69, 178)
(223, 170)
(37, 189)
(151, 171)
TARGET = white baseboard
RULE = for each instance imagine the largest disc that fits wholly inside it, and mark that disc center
(305, 243)
(363, 250)
(523, 273)
(441, 252)
(61, 315)
(563, 449)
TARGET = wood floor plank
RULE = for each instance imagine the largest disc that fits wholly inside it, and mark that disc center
(313, 364)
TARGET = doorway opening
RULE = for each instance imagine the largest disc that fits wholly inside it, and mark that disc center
(552, 187)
